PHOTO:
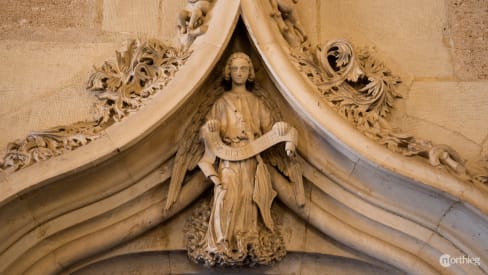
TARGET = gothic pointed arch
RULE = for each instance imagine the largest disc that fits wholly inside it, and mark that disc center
(103, 206)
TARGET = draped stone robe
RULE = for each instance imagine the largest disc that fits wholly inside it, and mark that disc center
(236, 209)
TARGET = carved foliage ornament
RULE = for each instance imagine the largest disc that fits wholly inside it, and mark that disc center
(122, 86)
(362, 90)
(138, 72)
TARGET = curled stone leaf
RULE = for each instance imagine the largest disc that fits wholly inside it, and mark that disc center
(122, 87)
(363, 90)
(141, 70)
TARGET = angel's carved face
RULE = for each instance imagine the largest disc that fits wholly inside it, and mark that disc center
(239, 71)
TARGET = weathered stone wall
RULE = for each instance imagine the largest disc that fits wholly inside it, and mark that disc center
(438, 47)
(60, 14)
(467, 31)
(48, 49)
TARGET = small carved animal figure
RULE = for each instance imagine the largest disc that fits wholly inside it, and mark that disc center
(192, 16)
(286, 17)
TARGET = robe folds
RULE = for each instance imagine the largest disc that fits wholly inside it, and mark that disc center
(240, 227)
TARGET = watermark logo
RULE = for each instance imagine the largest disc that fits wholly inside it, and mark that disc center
(447, 260)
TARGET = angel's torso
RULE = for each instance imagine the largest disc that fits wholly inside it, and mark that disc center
(242, 116)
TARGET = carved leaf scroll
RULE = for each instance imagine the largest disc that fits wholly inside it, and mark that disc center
(363, 90)
(122, 87)
(137, 73)
(43, 145)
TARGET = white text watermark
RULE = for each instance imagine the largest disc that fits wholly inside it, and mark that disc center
(447, 260)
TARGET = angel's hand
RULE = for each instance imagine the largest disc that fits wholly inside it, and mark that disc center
(213, 125)
(216, 181)
(281, 128)
(290, 149)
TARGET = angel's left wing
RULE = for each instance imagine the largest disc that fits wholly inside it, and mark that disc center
(191, 149)
(290, 167)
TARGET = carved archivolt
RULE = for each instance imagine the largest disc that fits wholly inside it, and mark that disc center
(355, 84)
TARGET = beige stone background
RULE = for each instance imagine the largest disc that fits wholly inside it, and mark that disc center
(48, 49)
(438, 47)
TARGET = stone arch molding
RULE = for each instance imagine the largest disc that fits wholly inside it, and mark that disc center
(74, 210)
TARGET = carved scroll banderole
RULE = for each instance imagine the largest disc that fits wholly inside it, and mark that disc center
(215, 147)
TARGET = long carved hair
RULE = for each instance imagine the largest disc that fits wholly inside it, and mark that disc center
(227, 80)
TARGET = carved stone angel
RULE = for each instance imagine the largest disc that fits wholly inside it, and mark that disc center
(241, 132)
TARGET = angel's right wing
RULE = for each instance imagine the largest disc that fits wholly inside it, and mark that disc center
(191, 149)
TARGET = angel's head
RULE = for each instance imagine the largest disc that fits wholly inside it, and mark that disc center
(239, 71)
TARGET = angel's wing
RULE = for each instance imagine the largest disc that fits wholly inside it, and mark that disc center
(290, 167)
(191, 149)
(268, 102)
(276, 155)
